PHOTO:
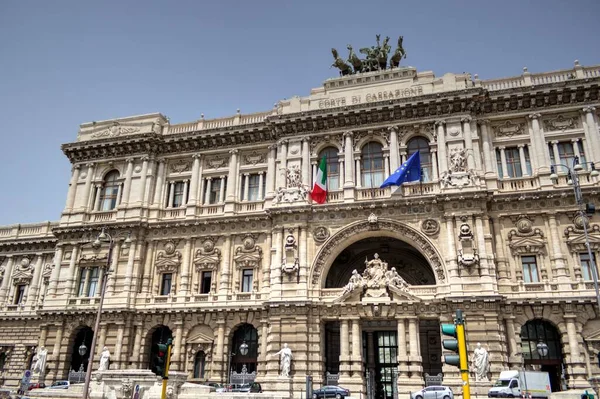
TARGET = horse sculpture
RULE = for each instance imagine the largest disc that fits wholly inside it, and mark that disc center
(398, 54)
(370, 63)
(353, 59)
(340, 64)
(383, 52)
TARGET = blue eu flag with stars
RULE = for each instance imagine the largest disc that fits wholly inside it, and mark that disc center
(409, 171)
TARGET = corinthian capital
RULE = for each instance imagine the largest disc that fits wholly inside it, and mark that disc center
(233, 151)
(348, 134)
(535, 116)
(466, 119)
(130, 160)
(441, 122)
(197, 156)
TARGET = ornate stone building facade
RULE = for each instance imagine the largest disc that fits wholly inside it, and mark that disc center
(227, 248)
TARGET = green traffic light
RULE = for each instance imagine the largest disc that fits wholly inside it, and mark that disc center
(452, 360)
(450, 344)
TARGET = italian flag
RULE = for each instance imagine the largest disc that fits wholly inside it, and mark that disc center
(319, 191)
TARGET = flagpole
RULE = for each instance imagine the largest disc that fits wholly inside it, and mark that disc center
(421, 181)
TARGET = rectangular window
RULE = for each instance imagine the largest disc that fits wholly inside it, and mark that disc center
(586, 265)
(82, 274)
(215, 191)
(253, 187)
(20, 294)
(93, 283)
(205, 282)
(178, 194)
(566, 153)
(165, 285)
(514, 168)
(530, 269)
(108, 199)
(247, 275)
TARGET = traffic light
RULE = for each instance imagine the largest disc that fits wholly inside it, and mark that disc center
(458, 345)
(160, 358)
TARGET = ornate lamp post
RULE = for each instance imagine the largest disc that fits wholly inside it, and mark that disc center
(573, 179)
(102, 237)
(542, 349)
(244, 352)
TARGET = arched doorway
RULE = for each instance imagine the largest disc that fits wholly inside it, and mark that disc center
(83, 337)
(246, 333)
(380, 340)
(160, 336)
(541, 331)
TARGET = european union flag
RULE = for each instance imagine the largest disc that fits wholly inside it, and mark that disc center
(409, 171)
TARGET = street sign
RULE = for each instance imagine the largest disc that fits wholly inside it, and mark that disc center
(136, 392)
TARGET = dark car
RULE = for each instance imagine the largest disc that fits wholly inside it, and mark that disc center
(330, 391)
(253, 387)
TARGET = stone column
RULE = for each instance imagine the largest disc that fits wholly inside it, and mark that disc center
(119, 192)
(344, 352)
(136, 356)
(58, 255)
(264, 327)
(208, 188)
(157, 200)
(219, 362)
(556, 153)
(503, 271)
(226, 272)
(524, 170)
(171, 194)
(356, 349)
(306, 161)
(441, 141)
(402, 354)
(466, 122)
(572, 335)
(394, 160)
(194, 182)
(119, 346)
(275, 271)
(539, 143)
(486, 147)
(592, 135)
(348, 155)
(72, 272)
(6, 279)
(43, 335)
(386, 164)
(246, 189)
(185, 268)
(177, 346)
(357, 178)
(280, 172)
(222, 190)
(514, 355)
(112, 278)
(434, 165)
(559, 267)
(35, 281)
(58, 342)
(414, 356)
(85, 201)
(503, 161)
(271, 172)
(129, 271)
(483, 259)
(451, 260)
(267, 267)
(261, 192)
(72, 188)
(97, 197)
(143, 180)
(150, 250)
(185, 193)
(127, 186)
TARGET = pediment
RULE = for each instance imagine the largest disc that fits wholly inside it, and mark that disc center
(527, 245)
(245, 260)
(384, 295)
(22, 277)
(577, 243)
(200, 339)
(166, 263)
(204, 262)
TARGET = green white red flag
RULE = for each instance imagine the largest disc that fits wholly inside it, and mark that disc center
(319, 191)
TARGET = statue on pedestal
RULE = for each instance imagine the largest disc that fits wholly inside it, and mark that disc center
(285, 361)
(481, 363)
(104, 359)
(39, 366)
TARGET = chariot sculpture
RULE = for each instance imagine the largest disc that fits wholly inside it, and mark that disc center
(376, 58)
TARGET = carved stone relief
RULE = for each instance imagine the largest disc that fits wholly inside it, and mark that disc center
(321, 234)
(216, 162)
(207, 257)
(333, 140)
(467, 253)
(561, 122)
(525, 239)
(509, 129)
(576, 235)
(23, 273)
(115, 130)
(180, 166)
(168, 261)
(248, 255)
(253, 158)
(430, 227)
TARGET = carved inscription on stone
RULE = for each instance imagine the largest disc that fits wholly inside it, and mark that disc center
(509, 129)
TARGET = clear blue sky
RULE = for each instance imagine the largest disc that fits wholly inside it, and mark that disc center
(63, 63)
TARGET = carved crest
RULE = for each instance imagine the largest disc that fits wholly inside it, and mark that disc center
(115, 130)
(249, 254)
(561, 123)
(525, 239)
(430, 227)
(254, 158)
(207, 257)
(168, 261)
(321, 234)
(576, 238)
(217, 162)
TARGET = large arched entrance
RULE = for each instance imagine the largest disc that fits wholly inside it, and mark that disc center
(244, 355)
(539, 331)
(83, 337)
(380, 334)
(160, 336)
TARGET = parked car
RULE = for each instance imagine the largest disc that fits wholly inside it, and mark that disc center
(433, 392)
(60, 385)
(252, 387)
(36, 385)
(330, 391)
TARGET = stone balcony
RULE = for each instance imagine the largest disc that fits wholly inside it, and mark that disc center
(25, 231)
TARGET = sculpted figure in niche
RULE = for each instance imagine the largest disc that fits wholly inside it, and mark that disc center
(481, 363)
(104, 359)
(285, 360)
(457, 160)
(374, 271)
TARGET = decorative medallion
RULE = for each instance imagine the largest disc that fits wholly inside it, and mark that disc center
(254, 158)
(454, 131)
(207, 257)
(168, 261)
(321, 234)
(217, 162)
(248, 256)
(560, 123)
(430, 227)
(290, 240)
(526, 239)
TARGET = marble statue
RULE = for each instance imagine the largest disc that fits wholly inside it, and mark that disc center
(104, 359)
(285, 363)
(40, 363)
(481, 363)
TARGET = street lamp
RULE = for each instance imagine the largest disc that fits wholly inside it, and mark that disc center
(97, 243)
(581, 207)
(542, 349)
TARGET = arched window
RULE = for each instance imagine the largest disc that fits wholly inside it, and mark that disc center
(372, 170)
(110, 190)
(2, 361)
(246, 333)
(199, 362)
(333, 167)
(422, 145)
